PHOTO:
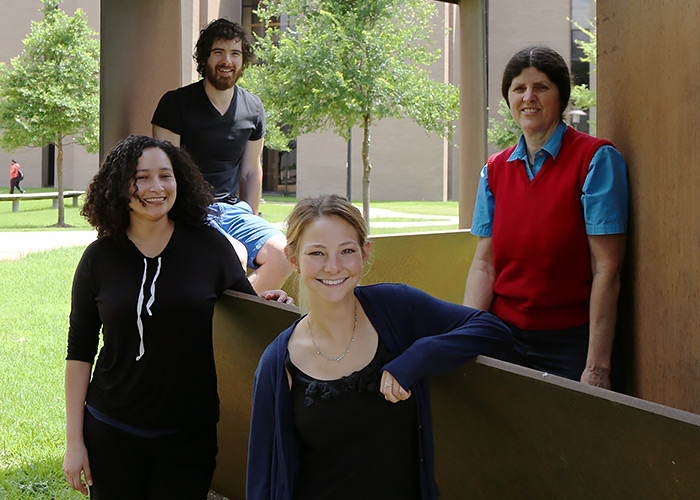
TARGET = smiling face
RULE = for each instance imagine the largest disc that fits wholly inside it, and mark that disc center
(225, 64)
(534, 102)
(155, 188)
(330, 258)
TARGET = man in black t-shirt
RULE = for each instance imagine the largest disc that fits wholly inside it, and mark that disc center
(222, 126)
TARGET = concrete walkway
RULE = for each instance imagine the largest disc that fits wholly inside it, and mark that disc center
(383, 213)
(16, 244)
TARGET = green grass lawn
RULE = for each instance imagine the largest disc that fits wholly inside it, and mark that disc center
(399, 219)
(409, 230)
(37, 215)
(448, 208)
(409, 207)
(34, 307)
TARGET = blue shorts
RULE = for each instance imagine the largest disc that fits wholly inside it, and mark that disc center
(239, 222)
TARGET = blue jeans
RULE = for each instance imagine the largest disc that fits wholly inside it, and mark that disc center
(559, 352)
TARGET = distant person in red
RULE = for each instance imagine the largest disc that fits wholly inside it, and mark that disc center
(16, 177)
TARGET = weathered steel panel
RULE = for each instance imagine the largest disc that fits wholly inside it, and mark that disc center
(473, 104)
(648, 102)
(437, 263)
(242, 329)
(501, 431)
(507, 432)
(138, 64)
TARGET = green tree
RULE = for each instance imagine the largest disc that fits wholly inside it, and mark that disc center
(348, 63)
(503, 133)
(51, 92)
(583, 97)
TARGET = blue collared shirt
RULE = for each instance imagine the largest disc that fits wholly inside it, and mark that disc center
(604, 197)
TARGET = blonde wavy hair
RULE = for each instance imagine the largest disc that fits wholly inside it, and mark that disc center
(307, 211)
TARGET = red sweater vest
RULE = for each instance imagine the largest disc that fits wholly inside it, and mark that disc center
(540, 246)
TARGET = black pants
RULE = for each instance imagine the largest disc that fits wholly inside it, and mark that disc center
(124, 466)
(559, 352)
(14, 183)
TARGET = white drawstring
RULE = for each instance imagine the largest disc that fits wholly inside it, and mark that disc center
(153, 290)
(139, 303)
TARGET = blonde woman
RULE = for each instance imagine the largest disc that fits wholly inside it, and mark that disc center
(340, 405)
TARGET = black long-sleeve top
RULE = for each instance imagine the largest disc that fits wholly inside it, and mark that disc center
(156, 367)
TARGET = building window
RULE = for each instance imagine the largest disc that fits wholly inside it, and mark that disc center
(279, 168)
(580, 71)
(253, 23)
(250, 20)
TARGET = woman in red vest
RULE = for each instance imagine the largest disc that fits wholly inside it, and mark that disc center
(551, 216)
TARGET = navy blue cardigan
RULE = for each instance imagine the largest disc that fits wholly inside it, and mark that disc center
(428, 336)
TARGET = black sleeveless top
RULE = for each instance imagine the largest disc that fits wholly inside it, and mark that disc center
(353, 443)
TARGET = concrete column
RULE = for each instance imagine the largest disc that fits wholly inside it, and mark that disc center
(648, 102)
(472, 129)
(140, 60)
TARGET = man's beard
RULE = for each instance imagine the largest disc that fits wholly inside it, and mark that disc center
(219, 81)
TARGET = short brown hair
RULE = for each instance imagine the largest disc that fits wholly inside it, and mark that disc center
(543, 59)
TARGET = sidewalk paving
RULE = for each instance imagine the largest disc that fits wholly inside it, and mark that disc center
(383, 213)
(16, 244)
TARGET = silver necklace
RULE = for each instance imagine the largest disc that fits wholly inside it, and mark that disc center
(347, 349)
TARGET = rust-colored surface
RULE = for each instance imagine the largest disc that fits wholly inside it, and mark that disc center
(243, 327)
(437, 263)
(506, 432)
(472, 104)
(501, 431)
(138, 64)
(648, 105)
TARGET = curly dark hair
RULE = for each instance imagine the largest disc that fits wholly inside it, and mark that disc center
(107, 202)
(221, 29)
(544, 59)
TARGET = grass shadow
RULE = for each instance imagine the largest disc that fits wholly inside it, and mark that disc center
(38, 480)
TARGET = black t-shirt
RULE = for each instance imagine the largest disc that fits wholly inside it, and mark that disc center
(167, 301)
(352, 442)
(216, 142)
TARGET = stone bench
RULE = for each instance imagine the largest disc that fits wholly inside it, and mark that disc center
(52, 195)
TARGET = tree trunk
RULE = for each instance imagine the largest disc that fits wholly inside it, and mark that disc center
(59, 177)
(367, 164)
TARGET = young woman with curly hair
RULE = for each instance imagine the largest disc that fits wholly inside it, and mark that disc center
(144, 424)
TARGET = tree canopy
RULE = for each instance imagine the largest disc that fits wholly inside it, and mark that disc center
(582, 96)
(51, 90)
(345, 63)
